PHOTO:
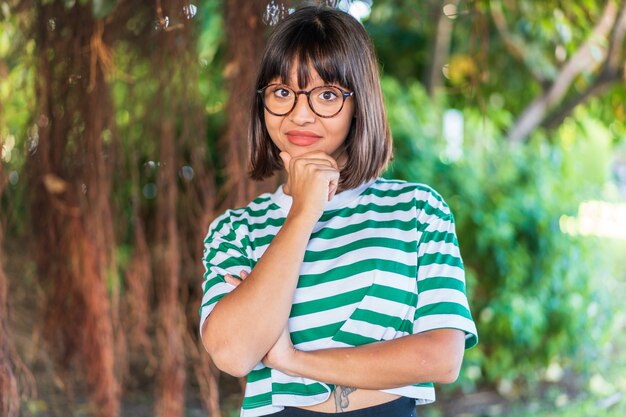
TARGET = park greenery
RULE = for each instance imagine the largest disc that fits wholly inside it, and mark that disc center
(122, 137)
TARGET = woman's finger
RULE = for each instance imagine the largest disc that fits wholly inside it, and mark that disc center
(236, 281)
(319, 157)
(314, 161)
(231, 280)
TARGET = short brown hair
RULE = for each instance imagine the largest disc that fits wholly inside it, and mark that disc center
(339, 49)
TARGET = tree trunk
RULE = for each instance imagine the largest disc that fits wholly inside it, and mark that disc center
(138, 280)
(170, 396)
(69, 170)
(9, 400)
(170, 324)
(196, 210)
(245, 32)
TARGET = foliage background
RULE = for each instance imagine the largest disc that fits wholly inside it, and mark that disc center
(548, 304)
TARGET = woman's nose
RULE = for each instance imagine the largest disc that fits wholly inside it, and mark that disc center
(302, 113)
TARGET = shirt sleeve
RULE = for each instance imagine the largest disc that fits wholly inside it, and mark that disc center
(224, 253)
(441, 293)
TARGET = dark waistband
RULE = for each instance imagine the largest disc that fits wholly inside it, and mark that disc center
(400, 407)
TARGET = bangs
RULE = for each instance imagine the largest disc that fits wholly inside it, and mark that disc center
(307, 46)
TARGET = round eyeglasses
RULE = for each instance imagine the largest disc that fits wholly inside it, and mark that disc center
(325, 101)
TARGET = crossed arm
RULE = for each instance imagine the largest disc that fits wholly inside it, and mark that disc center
(433, 356)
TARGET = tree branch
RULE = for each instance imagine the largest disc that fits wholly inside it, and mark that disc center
(441, 50)
(616, 48)
(585, 59)
(613, 66)
(598, 87)
(514, 44)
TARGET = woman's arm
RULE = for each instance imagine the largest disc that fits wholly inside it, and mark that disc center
(432, 356)
(246, 323)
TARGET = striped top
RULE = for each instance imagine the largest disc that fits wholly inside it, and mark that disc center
(382, 262)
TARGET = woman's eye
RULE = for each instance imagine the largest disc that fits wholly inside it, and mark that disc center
(282, 92)
(328, 95)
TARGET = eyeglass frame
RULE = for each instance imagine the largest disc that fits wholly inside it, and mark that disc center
(344, 95)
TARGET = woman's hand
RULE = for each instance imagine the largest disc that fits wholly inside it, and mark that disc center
(282, 353)
(312, 180)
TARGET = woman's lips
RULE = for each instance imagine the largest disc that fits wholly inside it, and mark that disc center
(301, 138)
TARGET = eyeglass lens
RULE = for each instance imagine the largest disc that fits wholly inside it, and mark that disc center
(325, 100)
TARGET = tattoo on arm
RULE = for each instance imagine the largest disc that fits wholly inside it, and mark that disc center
(341, 398)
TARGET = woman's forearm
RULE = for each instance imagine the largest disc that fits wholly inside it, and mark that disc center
(433, 356)
(246, 322)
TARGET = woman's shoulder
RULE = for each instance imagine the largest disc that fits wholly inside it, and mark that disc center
(425, 198)
(255, 211)
(421, 191)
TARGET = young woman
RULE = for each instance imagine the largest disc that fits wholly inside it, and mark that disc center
(341, 291)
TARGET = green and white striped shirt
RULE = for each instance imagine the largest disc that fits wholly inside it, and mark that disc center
(382, 262)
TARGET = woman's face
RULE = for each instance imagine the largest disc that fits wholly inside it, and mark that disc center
(303, 131)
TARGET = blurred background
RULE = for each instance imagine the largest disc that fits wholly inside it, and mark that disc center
(123, 134)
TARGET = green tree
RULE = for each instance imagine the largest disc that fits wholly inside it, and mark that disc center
(123, 125)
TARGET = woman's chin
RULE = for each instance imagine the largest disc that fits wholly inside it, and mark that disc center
(296, 151)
